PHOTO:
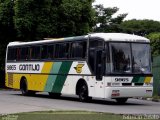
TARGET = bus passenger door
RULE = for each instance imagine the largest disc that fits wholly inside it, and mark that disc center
(96, 47)
(99, 68)
(99, 88)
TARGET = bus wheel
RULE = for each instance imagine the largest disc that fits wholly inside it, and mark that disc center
(121, 100)
(54, 95)
(24, 88)
(83, 93)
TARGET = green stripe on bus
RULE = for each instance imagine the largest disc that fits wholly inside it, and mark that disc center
(135, 79)
(141, 80)
(138, 79)
(58, 85)
(52, 78)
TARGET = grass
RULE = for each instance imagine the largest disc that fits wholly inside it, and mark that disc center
(156, 98)
(71, 115)
(62, 115)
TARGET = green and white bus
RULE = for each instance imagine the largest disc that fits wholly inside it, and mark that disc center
(102, 65)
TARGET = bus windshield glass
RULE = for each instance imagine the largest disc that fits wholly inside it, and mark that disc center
(141, 58)
(129, 58)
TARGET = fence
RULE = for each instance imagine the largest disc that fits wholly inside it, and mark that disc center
(156, 75)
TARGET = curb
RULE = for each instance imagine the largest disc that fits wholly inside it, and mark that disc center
(149, 99)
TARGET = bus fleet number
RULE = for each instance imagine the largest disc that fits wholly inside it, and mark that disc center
(11, 67)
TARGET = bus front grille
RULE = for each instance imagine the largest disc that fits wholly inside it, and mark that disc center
(126, 84)
(138, 84)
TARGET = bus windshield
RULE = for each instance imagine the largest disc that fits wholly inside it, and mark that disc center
(129, 58)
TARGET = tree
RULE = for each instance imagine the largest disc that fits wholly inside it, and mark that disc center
(33, 18)
(140, 27)
(75, 17)
(104, 21)
(27, 20)
(155, 43)
(36, 19)
(7, 31)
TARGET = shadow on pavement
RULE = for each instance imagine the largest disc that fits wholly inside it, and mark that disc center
(75, 99)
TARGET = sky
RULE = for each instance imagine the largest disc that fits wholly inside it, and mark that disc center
(136, 9)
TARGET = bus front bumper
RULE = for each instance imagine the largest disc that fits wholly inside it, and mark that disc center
(128, 92)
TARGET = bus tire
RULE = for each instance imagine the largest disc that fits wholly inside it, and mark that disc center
(54, 95)
(83, 93)
(121, 100)
(24, 88)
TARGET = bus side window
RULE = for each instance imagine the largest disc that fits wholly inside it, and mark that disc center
(108, 62)
(24, 53)
(44, 52)
(50, 53)
(62, 50)
(92, 58)
(11, 56)
(35, 52)
(30, 53)
(18, 54)
(78, 50)
(94, 44)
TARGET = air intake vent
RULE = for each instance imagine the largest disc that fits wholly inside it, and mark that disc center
(127, 84)
(138, 84)
(10, 80)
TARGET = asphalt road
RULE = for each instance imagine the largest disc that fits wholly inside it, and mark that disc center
(14, 102)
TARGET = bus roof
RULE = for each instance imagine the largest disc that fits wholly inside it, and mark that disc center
(106, 36)
(120, 37)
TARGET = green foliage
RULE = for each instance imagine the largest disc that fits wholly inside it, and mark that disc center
(36, 19)
(140, 27)
(64, 115)
(155, 43)
(7, 31)
(79, 14)
(75, 17)
(6, 20)
(148, 28)
(26, 20)
(104, 19)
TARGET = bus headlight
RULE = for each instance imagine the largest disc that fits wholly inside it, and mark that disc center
(115, 84)
(148, 84)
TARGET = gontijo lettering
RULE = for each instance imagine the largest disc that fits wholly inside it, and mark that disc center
(29, 67)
